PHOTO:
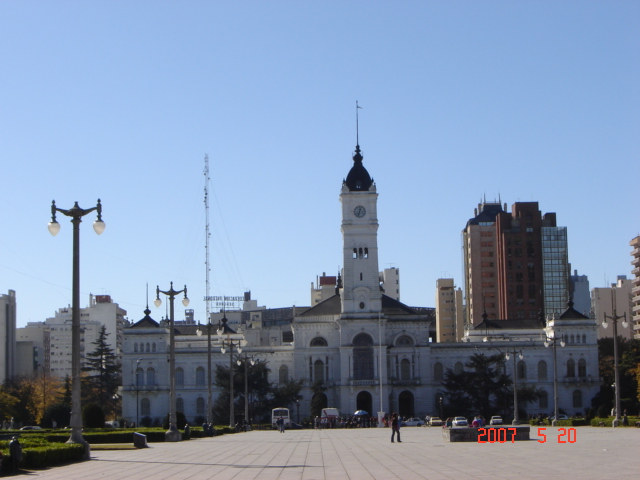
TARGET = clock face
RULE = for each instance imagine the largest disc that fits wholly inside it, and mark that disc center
(359, 211)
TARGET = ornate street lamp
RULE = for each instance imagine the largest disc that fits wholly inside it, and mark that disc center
(209, 326)
(173, 434)
(614, 318)
(247, 359)
(137, 392)
(76, 213)
(229, 343)
(507, 355)
(553, 340)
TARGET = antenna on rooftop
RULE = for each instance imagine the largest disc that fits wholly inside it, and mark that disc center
(358, 107)
(207, 298)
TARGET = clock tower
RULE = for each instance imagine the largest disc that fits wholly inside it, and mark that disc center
(360, 293)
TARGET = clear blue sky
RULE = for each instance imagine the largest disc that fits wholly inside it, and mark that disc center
(120, 100)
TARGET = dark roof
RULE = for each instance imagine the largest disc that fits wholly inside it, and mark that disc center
(330, 306)
(572, 314)
(524, 324)
(146, 321)
(488, 213)
(333, 306)
(358, 178)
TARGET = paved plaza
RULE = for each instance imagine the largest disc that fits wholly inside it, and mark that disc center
(598, 453)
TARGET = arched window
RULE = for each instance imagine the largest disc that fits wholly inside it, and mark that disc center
(584, 338)
(145, 407)
(577, 338)
(404, 341)
(543, 400)
(438, 372)
(458, 368)
(582, 368)
(140, 377)
(572, 339)
(283, 374)
(153, 347)
(522, 370)
(200, 406)
(362, 357)
(542, 370)
(405, 369)
(318, 371)
(318, 342)
(179, 377)
(135, 348)
(148, 348)
(200, 376)
(577, 399)
(180, 404)
(151, 376)
(571, 368)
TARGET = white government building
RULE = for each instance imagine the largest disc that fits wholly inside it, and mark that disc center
(341, 337)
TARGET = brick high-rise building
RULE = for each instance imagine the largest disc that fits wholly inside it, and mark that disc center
(635, 289)
(516, 264)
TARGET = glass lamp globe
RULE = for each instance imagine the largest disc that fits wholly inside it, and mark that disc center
(99, 226)
(157, 302)
(54, 228)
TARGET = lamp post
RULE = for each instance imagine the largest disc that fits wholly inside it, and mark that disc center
(229, 343)
(246, 359)
(137, 392)
(173, 434)
(209, 326)
(552, 340)
(614, 318)
(76, 213)
(507, 355)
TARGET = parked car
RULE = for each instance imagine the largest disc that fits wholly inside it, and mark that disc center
(412, 422)
(31, 427)
(460, 422)
(562, 416)
(435, 422)
(496, 420)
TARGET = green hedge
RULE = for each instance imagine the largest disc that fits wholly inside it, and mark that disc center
(572, 422)
(44, 455)
(595, 422)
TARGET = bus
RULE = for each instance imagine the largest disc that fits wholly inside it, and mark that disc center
(278, 413)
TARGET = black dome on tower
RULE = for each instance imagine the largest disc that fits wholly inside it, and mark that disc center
(358, 178)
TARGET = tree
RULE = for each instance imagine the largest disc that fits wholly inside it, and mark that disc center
(103, 373)
(263, 396)
(93, 416)
(259, 392)
(629, 365)
(25, 409)
(484, 388)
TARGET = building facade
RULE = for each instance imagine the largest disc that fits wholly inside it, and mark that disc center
(635, 289)
(613, 301)
(8, 307)
(449, 312)
(515, 263)
(370, 351)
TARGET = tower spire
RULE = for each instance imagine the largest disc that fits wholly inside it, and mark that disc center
(358, 107)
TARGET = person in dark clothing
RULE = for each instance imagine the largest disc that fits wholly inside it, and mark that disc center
(395, 427)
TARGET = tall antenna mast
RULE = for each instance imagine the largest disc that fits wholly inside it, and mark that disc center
(207, 234)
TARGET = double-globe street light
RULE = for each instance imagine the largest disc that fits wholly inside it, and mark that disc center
(614, 318)
(76, 213)
(230, 344)
(249, 360)
(507, 355)
(173, 434)
(138, 392)
(553, 340)
(208, 326)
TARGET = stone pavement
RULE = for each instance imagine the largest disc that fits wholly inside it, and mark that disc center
(597, 453)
